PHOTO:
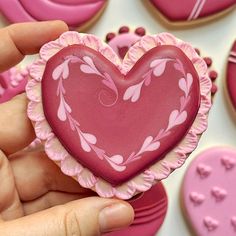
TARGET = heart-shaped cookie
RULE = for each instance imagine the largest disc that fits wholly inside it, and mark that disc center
(76, 13)
(122, 121)
(209, 202)
(190, 11)
(125, 38)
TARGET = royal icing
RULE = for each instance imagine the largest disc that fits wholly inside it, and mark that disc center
(12, 82)
(121, 42)
(74, 12)
(192, 10)
(209, 202)
(150, 210)
(79, 77)
(231, 75)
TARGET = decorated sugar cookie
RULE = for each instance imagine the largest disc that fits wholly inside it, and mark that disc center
(76, 13)
(121, 42)
(191, 11)
(125, 38)
(208, 192)
(150, 210)
(231, 75)
(12, 82)
(115, 126)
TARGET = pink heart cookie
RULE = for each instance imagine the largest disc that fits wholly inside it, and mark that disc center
(142, 132)
(231, 75)
(12, 82)
(189, 11)
(209, 203)
(76, 13)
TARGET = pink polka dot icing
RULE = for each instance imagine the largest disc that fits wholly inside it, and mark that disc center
(74, 12)
(12, 82)
(87, 78)
(209, 194)
(191, 10)
(121, 42)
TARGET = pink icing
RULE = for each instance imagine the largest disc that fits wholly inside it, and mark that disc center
(203, 170)
(150, 210)
(161, 169)
(231, 73)
(216, 194)
(122, 42)
(196, 198)
(12, 82)
(192, 10)
(74, 12)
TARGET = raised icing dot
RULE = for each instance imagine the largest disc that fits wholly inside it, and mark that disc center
(196, 198)
(213, 75)
(123, 29)
(233, 222)
(228, 162)
(210, 223)
(204, 170)
(218, 193)
(140, 31)
(110, 36)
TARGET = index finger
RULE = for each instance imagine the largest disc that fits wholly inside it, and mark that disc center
(21, 39)
(16, 41)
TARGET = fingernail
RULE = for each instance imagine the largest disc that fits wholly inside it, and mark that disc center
(115, 217)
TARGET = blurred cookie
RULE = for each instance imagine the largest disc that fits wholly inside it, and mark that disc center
(76, 13)
(184, 12)
(208, 192)
(12, 82)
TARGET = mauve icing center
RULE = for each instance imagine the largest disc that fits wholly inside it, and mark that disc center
(117, 125)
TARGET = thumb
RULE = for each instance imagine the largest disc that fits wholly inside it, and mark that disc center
(86, 217)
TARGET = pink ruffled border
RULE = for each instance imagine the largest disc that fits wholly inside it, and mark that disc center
(57, 152)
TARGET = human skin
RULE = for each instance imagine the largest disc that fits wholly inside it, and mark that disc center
(36, 198)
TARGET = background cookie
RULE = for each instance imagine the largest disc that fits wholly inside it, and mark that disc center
(209, 194)
(150, 210)
(12, 82)
(191, 11)
(76, 13)
(125, 38)
(231, 75)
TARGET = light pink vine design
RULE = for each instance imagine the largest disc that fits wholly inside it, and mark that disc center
(88, 141)
(177, 117)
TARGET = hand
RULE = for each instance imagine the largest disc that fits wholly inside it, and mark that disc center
(35, 197)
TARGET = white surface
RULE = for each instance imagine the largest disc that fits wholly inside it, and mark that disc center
(214, 39)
